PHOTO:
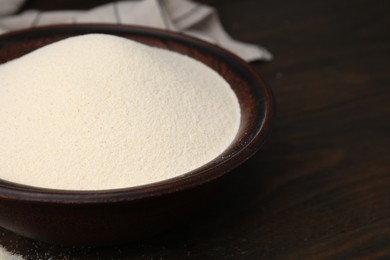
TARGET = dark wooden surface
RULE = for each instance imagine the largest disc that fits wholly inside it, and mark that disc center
(320, 188)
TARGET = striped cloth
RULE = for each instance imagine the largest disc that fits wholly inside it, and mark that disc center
(191, 18)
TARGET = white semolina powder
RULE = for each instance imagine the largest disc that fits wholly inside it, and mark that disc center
(5, 255)
(99, 112)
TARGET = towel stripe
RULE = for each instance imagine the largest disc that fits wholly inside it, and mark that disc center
(163, 14)
(116, 12)
(36, 19)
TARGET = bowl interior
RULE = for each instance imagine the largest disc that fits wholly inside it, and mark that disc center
(254, 97)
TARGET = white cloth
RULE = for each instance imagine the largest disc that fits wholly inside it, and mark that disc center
(185, 16)
(10, 6)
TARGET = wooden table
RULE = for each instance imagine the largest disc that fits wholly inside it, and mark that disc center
(320, 187)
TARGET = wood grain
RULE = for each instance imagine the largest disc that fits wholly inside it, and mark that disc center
(320, 187)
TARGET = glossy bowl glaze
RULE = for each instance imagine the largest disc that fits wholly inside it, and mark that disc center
(117, 216)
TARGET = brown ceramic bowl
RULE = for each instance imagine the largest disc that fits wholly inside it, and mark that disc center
(121, 215)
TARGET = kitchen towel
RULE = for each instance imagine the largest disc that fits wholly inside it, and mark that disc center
(184, 16)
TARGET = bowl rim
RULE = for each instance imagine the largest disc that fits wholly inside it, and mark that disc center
(202, 175)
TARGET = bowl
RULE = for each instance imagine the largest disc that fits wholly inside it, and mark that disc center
(116, 216)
